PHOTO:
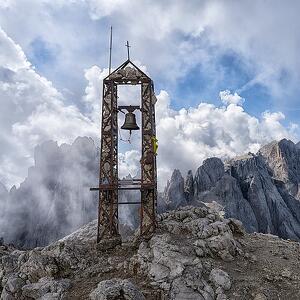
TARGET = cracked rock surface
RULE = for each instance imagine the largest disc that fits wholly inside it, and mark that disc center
(194, 254)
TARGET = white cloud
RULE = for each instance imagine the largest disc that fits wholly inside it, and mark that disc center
(188, 136)
(6, 3)
(99, 9)
(199, 32)
(93, 91)
(129, 163)
(173, 37)
(11, 55)
(32, 111)
(228, 98)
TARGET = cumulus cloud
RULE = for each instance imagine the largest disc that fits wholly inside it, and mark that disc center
(129, 163)
(228, 98)
(266, 44)
(188, 136)
(32, 111)
(93, 92)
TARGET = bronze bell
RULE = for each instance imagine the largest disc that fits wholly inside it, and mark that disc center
(130, 122)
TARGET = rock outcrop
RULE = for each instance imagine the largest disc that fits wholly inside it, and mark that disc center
(174, 264)
(194, 254)
(174, 191)
(283, 158)
(116, 289)
(208, 174)
(189, 187)
(261, 190)
(169, 264)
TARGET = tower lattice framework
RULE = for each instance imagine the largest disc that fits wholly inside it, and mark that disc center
(109, 183)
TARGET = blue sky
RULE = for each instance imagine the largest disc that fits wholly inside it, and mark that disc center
(193, 50)
(86, 26)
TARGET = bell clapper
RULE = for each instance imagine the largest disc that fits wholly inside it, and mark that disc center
(125, 140)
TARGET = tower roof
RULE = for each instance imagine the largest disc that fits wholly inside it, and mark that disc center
(128, 72)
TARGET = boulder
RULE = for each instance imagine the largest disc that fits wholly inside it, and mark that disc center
(114, 289)
(46, 288)
(220, 279)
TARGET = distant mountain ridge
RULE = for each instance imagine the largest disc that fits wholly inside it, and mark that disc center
(54, 199)
(262, 190)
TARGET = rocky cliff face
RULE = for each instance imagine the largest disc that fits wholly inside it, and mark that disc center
(174, 191)
(189, 187)
(194, 254)
(283, 158)
(261, 190)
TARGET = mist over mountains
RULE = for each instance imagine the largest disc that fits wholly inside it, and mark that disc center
(54, 199)
(262, 190)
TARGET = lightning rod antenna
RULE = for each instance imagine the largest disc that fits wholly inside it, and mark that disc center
(110, 48)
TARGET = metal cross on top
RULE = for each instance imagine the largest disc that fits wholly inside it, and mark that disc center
(127, 45)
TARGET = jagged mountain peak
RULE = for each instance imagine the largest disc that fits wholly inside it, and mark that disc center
(261, 190)
(246, 156)
(283, 158)
(208, 174)
(171, 196)
(281, 148)
(176, 174)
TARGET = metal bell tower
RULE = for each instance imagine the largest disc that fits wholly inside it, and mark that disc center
(109, 183)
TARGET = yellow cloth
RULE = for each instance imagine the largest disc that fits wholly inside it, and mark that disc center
(155, 144)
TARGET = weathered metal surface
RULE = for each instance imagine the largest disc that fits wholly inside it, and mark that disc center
(108, 209)
(148, 163)
(109, 183)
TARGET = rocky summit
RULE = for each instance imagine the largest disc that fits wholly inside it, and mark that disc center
(194, 254)
(262, 190)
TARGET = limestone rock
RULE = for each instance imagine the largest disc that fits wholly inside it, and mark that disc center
(260, 296)
(176, 267)
(220, 279)
(46, 288)
(228, 194)
(261, 190)
(283, 158)
(270, 209)
(208, 174)
(189, 187)
(174, 191)
(114, 289)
